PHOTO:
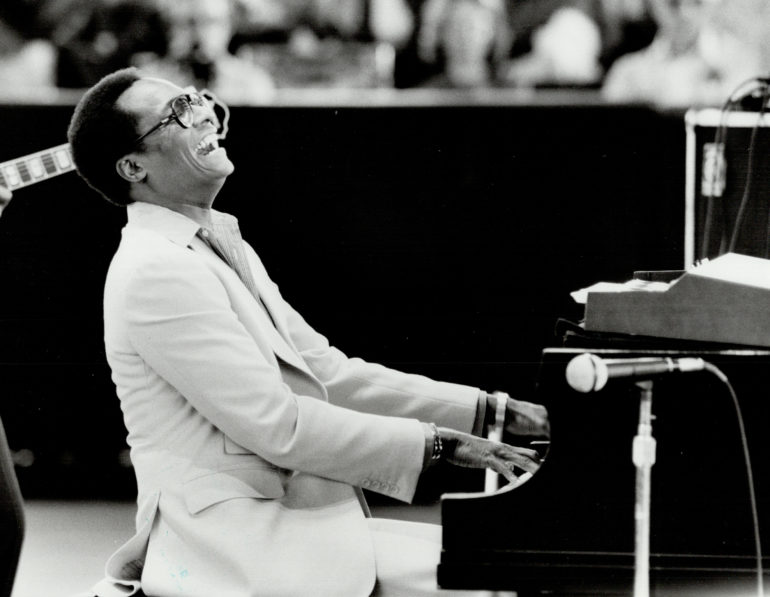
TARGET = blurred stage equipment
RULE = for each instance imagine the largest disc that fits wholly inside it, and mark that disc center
(726, 182)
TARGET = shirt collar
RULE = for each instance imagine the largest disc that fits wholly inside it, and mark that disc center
(173, 225)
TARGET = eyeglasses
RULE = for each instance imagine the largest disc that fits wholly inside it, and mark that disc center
(182, 112)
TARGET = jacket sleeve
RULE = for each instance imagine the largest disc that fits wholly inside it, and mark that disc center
(372, 388)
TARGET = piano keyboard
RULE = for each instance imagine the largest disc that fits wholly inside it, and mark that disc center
(36, 167)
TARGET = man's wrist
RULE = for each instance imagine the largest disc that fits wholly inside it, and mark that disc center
(479, 422)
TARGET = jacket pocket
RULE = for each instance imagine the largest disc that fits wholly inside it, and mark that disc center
(249, 482)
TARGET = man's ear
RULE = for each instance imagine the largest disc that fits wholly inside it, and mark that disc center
(130, 169)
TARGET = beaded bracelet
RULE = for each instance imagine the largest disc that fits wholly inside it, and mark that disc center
(438, 443)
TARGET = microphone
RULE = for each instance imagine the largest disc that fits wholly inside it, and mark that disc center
(589, 373)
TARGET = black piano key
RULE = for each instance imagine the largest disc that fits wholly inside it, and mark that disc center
(2, 179)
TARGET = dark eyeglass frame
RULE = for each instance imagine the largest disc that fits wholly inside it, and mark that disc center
(181, 111)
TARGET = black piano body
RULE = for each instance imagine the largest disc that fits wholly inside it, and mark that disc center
(569, 530)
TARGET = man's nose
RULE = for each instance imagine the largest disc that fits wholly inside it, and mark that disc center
(205, 115)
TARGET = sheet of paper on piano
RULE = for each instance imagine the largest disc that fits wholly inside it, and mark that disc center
(581, 296)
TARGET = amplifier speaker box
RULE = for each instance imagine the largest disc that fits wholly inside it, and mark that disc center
(727, 186)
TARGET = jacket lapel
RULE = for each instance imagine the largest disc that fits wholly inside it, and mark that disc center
(181, 230)
(277, 341)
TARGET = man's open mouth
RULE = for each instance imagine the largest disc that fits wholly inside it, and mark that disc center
(208, 144)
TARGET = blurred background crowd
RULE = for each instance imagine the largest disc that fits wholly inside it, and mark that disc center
(667, 52)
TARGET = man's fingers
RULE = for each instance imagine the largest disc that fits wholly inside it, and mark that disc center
(524, 458)
(501, 469)
(475, 452)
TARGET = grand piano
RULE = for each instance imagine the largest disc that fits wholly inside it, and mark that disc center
(570, 529)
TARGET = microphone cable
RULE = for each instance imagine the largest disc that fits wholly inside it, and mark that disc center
(749, 474)
(749, 167)
(720, 137)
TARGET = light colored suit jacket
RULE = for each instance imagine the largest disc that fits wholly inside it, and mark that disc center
(248, 439)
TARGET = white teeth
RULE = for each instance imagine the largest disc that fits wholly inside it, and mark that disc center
(208, 144)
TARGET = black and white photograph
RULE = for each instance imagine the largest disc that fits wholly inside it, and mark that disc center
(384, 298)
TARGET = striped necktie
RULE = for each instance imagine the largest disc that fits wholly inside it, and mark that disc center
(225, 238)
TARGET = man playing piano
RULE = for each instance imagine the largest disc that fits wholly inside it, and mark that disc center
(251, 436)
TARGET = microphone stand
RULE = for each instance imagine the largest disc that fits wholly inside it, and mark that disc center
(643, 456)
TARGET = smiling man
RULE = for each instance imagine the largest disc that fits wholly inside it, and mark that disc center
(251, 437)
